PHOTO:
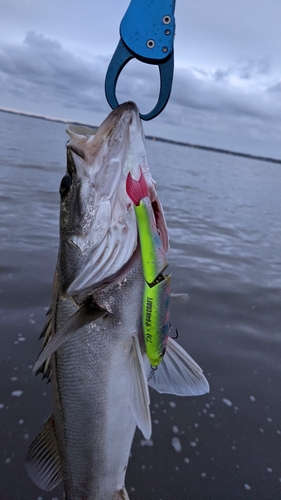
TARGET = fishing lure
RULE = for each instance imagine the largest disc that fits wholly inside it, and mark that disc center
(156, 294)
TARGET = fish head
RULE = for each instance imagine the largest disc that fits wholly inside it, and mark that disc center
(98, 230)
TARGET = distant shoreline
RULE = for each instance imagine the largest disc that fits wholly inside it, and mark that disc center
(152, 138)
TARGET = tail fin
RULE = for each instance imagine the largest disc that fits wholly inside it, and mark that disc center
(178, 373)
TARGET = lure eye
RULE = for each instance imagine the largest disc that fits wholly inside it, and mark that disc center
(65, 184)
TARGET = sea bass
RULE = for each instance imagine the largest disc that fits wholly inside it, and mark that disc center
(93, 348)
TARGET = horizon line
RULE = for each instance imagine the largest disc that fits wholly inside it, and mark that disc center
(149, 137)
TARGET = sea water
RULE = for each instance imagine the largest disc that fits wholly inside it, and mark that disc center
(224, 219)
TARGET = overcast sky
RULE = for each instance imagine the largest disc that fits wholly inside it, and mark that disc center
(227, 82)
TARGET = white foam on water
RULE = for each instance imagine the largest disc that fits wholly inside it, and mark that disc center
(247, 486)
(13, 379)
(227, 402)
(269, 469)
(186, 460)
(17, 394)
(193, 444)
(176, 444)
(1, 406)
(212, 415)
(252, 398)
(175, 429)
(172, 404)
(146, 442)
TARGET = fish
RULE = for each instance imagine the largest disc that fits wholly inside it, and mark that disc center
(93, 348)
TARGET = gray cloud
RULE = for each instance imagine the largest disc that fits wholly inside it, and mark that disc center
(251, 67)
(237, 107)
(41, 69)
(276, 88)
(214, 92)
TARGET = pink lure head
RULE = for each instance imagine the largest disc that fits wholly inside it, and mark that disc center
(136, 190)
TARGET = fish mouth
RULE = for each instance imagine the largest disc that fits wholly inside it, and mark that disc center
(106, 235)
(116, 123)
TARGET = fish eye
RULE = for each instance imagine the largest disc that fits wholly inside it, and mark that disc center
(65, 184)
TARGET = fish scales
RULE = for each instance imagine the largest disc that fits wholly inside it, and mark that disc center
(94, 453)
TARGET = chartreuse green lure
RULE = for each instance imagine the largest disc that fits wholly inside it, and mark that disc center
(156, 294)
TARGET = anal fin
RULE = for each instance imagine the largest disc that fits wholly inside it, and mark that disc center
(43, 462)
(178, 373)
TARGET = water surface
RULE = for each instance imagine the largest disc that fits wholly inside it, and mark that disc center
(224, 221)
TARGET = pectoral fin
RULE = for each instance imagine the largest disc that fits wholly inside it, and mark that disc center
(85, 315)
(138, 390)
(43, 462)
(178, 373)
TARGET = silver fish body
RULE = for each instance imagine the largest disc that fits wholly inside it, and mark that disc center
(91, 377)
(93, 340)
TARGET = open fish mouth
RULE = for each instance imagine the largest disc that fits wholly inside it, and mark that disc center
(97, 216)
